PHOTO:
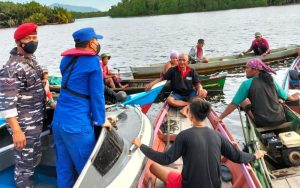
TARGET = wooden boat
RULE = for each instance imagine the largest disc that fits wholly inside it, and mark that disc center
(216, 64)
(281, 167)
(146, 98)
(143, 99)
(171, 119)
(113, 162)
(212, 83)
(2, 122)
(292, 85)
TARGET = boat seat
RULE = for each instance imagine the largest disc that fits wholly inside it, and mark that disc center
(272, 128)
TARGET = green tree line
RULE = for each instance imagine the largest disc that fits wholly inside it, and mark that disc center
(14, 14)
(154, 7)
(78, 15)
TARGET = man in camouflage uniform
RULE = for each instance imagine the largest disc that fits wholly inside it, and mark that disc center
(22, 103)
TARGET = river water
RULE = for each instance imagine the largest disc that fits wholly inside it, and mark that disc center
(150, 39)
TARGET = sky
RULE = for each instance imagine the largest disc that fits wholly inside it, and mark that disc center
(102, 5)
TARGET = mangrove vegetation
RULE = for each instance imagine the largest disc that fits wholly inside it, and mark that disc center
(155, 7)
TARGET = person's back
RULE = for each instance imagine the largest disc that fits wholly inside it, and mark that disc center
(80, 82)
(201, 157)
(265, 106)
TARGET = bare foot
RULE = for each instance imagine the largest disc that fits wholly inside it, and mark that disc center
(185, 111)
(123, 86)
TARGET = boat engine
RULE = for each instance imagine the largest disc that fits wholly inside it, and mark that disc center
(284, 148)
(291, 152)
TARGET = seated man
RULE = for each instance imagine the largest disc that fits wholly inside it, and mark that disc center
(110, 79)
(172, 63)
(184, 84)
(259, 95)
(49, 99)
(197, 54)
(259, 45)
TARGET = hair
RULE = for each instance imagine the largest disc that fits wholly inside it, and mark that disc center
(81, 44)
(200, 109)
(266, 77)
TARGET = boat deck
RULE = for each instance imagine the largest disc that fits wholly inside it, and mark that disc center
(292, 181)
(178, 123)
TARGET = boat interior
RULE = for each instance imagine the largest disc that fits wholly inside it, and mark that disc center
(282, 144)
(108, 164)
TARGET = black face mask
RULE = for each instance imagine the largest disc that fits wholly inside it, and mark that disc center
(98, 49)
(29, 47)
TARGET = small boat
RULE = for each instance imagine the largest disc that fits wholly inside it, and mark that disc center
(2, 122)
(146, 98)
(212, 83)
(143, 99)
(216, 64)
(291, 84)
(167, 125)
(281, 166)
(114, 161)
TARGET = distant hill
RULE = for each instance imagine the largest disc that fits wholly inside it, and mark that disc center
(75, 8)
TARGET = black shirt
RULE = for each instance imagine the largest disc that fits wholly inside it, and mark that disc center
(201, 150)
(182, 85)
(265, 107)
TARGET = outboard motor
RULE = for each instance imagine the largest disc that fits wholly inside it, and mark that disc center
(291, 152)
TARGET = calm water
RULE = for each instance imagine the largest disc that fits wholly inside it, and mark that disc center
(143, 40)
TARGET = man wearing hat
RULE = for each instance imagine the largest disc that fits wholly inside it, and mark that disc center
(260, 95)
(259, 45)
(110, 79)
(197, 53)
(80, 106)
(22, 103)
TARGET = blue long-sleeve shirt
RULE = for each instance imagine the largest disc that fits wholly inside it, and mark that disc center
(86, 79)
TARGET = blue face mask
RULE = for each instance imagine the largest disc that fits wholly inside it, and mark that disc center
(29, 47)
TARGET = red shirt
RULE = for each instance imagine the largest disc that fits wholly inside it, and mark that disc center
(260, 43)
(199, 53)
(105, 70)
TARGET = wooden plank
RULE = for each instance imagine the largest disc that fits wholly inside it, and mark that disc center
(280, 183)
(294, 182)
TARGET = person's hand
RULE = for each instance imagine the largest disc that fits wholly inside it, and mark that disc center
(107, 124)
(148, 86)
(202, 93)
(264, 54)
(218, 120)
(259, 154)
(280, 101)
(19, 139)
(137, 142)
(242, 54)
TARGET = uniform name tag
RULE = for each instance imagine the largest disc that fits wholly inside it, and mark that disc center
(189, 78)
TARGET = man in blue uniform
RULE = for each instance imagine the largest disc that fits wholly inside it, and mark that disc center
(80, 106)
(22, 103)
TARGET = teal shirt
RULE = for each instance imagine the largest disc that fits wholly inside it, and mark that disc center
(243, 91)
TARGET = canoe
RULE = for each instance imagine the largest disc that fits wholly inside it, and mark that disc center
(143, 99)
(2, 122)
(213, 83)
(170, 118)
(292, 85)
(216, 64)
(146, 98)
(280, 168)
(113, 162)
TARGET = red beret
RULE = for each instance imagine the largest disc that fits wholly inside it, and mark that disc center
(25, 29)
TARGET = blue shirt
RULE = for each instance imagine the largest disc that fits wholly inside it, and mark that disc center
(86, 78)
(243, 91)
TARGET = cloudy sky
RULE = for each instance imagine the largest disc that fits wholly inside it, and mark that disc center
(102, 5)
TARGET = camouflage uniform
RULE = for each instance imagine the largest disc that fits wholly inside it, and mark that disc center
(22, 95)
